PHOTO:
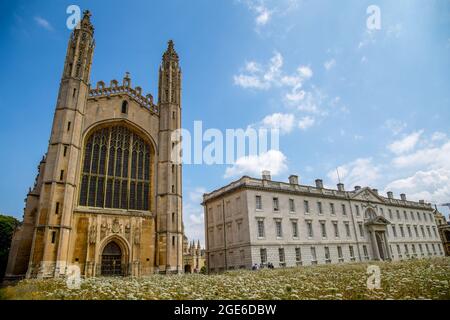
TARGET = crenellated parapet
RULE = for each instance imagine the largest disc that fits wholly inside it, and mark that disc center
(114, 88)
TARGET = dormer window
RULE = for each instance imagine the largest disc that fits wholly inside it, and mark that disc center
(125, 107)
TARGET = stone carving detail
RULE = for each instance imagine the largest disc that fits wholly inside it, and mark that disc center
(116, 226)
(137, 236)
(104, 230)
(93, 234)
(127, 231)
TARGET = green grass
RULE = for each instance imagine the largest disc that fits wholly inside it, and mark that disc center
(412, 279)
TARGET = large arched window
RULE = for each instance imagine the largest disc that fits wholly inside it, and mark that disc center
(116, 170)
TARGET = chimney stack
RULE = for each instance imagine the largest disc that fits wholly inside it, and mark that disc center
(357, 188)
(422, 201)
(403, 197)
(375, 191)
(293, 179)
(390, 195)
(340, 187)
(266, 175)
(319, 184)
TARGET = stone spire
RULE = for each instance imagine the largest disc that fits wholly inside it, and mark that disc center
(170, 53)
(80, 50)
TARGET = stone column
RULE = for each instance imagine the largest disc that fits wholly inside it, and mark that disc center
(388, 250)
(375, 245)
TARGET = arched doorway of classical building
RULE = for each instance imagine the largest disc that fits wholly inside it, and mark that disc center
(187, 268)
(112, 260)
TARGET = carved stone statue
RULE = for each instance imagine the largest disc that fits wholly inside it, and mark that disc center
(93, 234)
(104, 230)
(116, 226)
(137, 235)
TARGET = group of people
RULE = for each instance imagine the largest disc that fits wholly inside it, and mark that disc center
(262, 266)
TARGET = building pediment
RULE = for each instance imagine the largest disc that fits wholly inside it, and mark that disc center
(378, 220)
(366, 194)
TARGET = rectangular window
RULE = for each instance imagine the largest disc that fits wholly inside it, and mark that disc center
(357, 210)
(306, 205)
(327, 255)
(406, 250)
(53, 236)
(419, 217)
(344, 210)
(313, 255)
(294, 229)
(336, 229)
(394, 231)
(352, 253)
(409, 231)
(65, 151)
(332, 211)
(258, 203)
(281, 255)
(261, 229)
(279, 231)
(412, 216)
(382, 211)
(276, 204)
(402, 232)
(291, 205)
(428, 231)
(416, 231)
(398, 214)
(422, 231)
(390, 213)
(399, 252)
(319, 207)
(310, 229)
(420, 248)
(298, 255)
(424, 216)
(68, 126)
(405, 215)
(263, 254)
(361, 229)
(57, 208)
(61, 175)
(340, 256)
(347, 229)
(323, 229)
(435, 232)
(366, 253)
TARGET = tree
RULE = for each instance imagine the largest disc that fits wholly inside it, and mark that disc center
(7, 226)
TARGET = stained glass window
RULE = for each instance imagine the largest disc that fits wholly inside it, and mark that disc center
(116, 170)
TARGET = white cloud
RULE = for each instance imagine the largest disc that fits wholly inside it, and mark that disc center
(196, 195)
(272, 160)
(362, 172)
(430, 185)
(281, 121)
(43, 23)
(305, 72)
(329, 64)
(306, 122)
(395, 126)
(260, 77)
(438, 136)
(432, 157)
(263, 15)
(406, 144)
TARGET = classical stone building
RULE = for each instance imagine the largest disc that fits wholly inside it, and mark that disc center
(287, 224)
(444, 231)
(107, 196)
(194, 258)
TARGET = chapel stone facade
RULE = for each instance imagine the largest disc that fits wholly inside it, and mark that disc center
(107, 197)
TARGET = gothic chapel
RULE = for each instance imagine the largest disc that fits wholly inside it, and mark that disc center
(107, 196)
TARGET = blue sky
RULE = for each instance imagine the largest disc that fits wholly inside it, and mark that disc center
(374, 103)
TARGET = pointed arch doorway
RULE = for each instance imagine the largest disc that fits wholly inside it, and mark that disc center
(112, 260)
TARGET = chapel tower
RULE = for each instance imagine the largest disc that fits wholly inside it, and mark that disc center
(53, 227)
(169, 200)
